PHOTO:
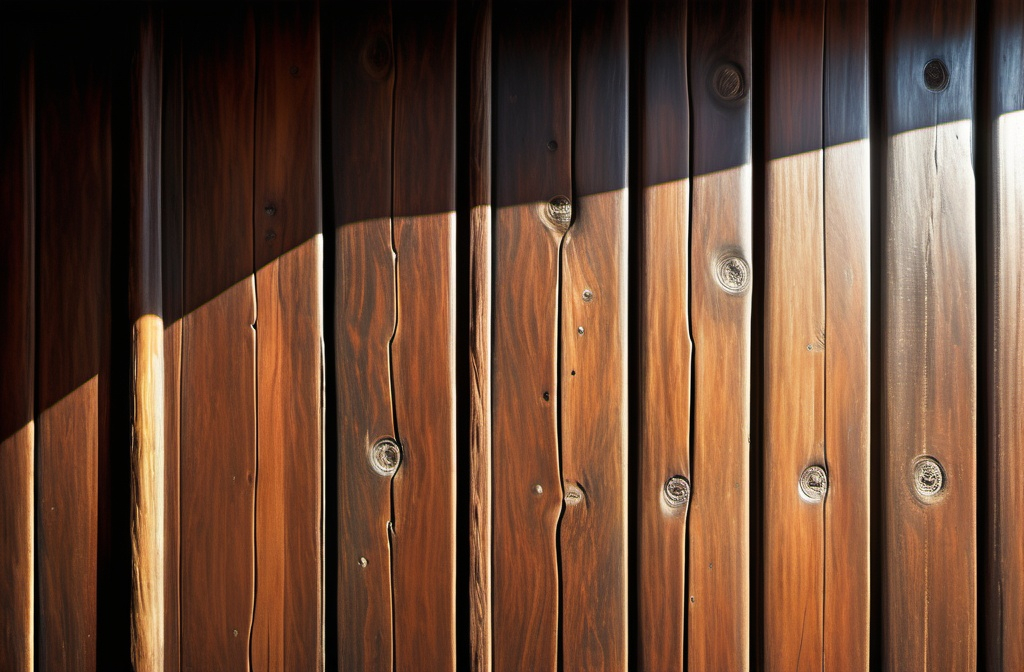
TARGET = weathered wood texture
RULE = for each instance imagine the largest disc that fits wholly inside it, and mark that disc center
(794, 341)
(287, 628)
(73, 355)
(532, 155)
(718, 630)
(218, 351)
(17, 347)
(930, 338)
(1003, 355)
(847, 181)
(146, 312)
(666, 349)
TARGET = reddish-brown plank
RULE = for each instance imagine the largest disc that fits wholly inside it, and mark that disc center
(718, 621)
(847, 339)
(17, 348)
(218, 360)
(1004, 353)
(593, 531)
(423, 347)
(794, 341)
(287, 618)
(361, 86)
(665, 346)
(930, 341)
(532, 159)
(73, 336)
(480, 285)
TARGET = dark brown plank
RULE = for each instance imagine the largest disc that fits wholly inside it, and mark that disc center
(721, 232)
(218, 361)
(847, 325)
(480, 283)
(72, 430)
(423, 348)
(532, 155)
(361, 86)
(593, 530)
(146, 312)
(1004, 354)
(794, 341)
(17, 347)
(666, 349)
(287, 619)
(930, 357)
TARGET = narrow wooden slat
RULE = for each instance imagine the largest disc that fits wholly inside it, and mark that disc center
(665, 345)
(847, 325)
(287, 618)
(362, 82)
(146, 313)
(1004, 354)
(480, 283)
(593, 531)
(721, 239)
(930, 369)
(17, 348)
(218, 361)
(794, 324)
(423, 347)
(532, 154)
(73, 332)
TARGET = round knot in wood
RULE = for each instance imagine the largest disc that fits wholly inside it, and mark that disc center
(813, 483)
(929, 478)
(573, 494)
(376, 56)
(560, 211)
(733, 274)
(677, 492)
(728, 83)
(385, 456)
(936, 75)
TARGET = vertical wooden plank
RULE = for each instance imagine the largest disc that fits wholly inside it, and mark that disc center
(847, 325)
(172, 220)
(287, 617)
(17, 347)
(218, 423)
(1004, 354)
(362, 82)
(533, 181)
(720, 258)
(423, 347)
(146, 313)
(794, 321)
(480, 287)
(930, 370)
(666, 348)
(73, 331)
(593, 531)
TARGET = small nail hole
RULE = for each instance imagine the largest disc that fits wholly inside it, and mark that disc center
(552, 146)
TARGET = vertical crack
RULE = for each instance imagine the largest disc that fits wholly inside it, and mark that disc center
(256, 343)
(693, 351)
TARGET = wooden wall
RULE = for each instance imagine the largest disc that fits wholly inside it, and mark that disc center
(512, 335)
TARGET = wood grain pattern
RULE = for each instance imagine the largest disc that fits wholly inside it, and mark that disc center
(794, 337)
(146, 312)
(287, 617)
(365, 310)
(17, 348)
(593, 531)
(1004, 354)
(666, 348)
(930, 357)
(423, 347)
(480, 288)
(72, 422)
(218, 361)
(848, 540)
(532, 153)
(721, 229)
